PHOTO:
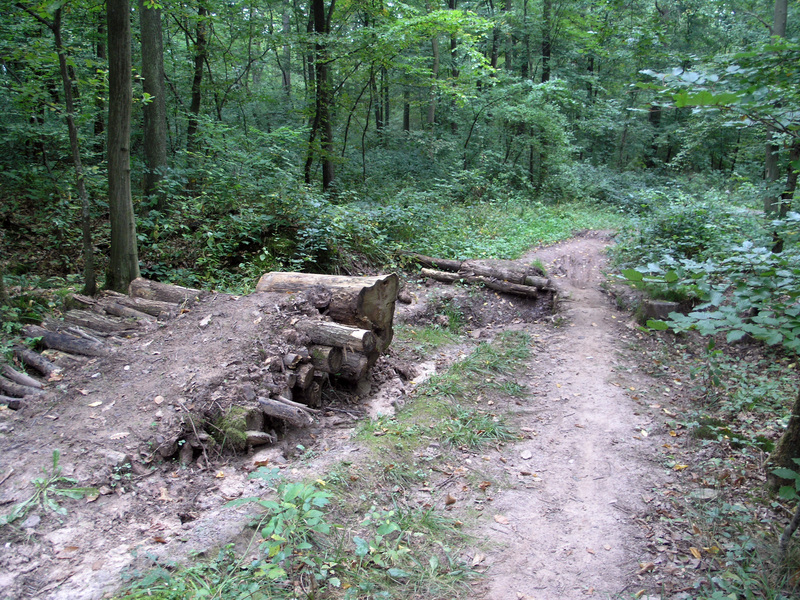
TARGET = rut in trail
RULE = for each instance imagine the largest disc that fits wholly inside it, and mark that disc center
(572, 531)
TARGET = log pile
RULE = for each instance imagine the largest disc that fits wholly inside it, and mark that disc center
(500, 275)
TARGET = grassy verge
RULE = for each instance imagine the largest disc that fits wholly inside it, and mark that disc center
(375, 528)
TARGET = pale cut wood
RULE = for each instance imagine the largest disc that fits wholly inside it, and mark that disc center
(364, 302)
(500, 286)
(326, 358)
(35, 360)
(21, 378)
(293, 415)
(163, 292)
(328, 333)
(66, 343)
(17, 390)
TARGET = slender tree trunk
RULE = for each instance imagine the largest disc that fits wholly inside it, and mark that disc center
(200, 49)
(99, 99)
(155, 111)
(771, 169)
(547, 42)
(434, 77)
(526, 42)
(124, 261)
(286, 68)
(3, 291)
(324, 95)
(406, 110)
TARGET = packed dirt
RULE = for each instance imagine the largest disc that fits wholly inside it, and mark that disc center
(572, 521)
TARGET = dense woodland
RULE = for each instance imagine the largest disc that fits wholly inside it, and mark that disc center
(205, 143)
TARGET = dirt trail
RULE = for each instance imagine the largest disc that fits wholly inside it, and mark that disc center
(571, 533)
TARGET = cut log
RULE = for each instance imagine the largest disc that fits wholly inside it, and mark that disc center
(21, 378)
(259, 438)
(304, 376)
(327, 333)
(506, 270)
(294, 404)
(356, 366)
(494, 284)
(119, 310)
(154, 308)
(66, 343)
(310, 396)
(364, 302)
(11, 403)
(326, 358)
(17, 390)
(444, 264)
(293, 415)
(100, 323)
(35, 360)
(163, 292)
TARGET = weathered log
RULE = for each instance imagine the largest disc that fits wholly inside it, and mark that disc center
(435, 263)
(304, 376)
(66, 343)
(259, 438)
(356, 366)
(506, 270)
(119, 310)
(364, 302)
(17, 390)
(293, 415)
(99, 323)
(35, 360)
(163, 292)
(495, 284)
(21, 378)
(327, 333)
(294, 404)
(310, 396)
(11, 403)
(326, 358)
(154, 308)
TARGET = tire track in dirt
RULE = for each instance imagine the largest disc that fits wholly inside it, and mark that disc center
(571, 532)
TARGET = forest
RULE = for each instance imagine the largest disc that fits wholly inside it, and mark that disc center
(203, 144)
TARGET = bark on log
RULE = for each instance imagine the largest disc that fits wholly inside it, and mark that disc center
(310, 396)
(364, 302)
(259, 438)
(9, 388)
(21, 378)
(154, 308)
(500, 286)
(97, 322)
(35, 360)
(66, 343)
(175, 294)
(296, 416)
(294, 404)
(119, 310)
(327, 333)
(11, 403)
(304, 376)
(507, 270)
(354, 367)
(326, 358)
(444, 264)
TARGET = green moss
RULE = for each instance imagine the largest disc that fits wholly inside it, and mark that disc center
(230, 427)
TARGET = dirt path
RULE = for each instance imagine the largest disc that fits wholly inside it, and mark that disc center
(572, 533)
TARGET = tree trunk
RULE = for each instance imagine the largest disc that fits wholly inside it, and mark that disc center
(100, 96)
(434, 76)
(286, 67)
(547, 42)
(787, 449)
(771, 169)
(324, 95)
(200, 49)
(406, 110)
(155, 111)
(124, 261)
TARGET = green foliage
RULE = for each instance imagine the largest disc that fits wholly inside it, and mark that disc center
(49, 490)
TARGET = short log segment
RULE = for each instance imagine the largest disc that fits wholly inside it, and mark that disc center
(363, 302)
(494, 284)
(35, 360)
(154, 308)
(11, 403)
(162, 292)
(327, 333)
(20, 378)
(67, 343)
(291, 414)
(17, 390)
(326, 358)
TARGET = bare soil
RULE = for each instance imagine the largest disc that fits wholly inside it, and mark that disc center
(568, 521)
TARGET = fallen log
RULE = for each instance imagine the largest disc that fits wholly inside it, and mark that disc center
(507, 271)
(154, 308)
(119, 310)
(326, 358)
(294, 404)
(259, 438)
(328, 333)
(21, 378)
(11, 403)
(291, 414)
(35, 360)
(356, 366)
(444, 264)
(364, 302)
(99, 323)
(16, 390)
(495, 284)
(66, 343)
(163, 292)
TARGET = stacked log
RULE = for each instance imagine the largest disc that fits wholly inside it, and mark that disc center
(361, 310)
(501, 275)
